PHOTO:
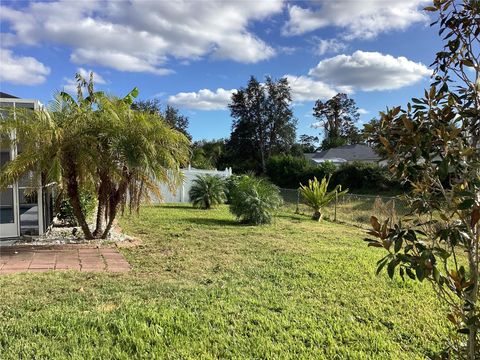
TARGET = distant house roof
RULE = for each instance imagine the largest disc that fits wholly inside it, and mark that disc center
(309, 156)
(357, 152)
(7, 96)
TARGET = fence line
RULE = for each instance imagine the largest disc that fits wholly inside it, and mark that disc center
(354, 209)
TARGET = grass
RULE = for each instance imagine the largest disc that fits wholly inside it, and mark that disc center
(205, 287)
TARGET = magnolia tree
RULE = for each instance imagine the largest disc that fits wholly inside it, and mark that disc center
(99, 144)
(434, 144)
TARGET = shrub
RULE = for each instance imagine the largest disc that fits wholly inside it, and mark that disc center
(316, 195)
(207, 191)
(289, 171)
(254, 201)
(231, 183)
(366, 177)
(65, 214)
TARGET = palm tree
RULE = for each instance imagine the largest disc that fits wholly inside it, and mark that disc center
(207, 191)
(317, 197)
(96, 143)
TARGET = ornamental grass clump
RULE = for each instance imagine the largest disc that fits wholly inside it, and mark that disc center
(255, 201)
(207, 191)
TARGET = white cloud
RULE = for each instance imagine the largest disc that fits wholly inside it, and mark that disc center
(363, 111)
(204, 99)
(117, 60)
(305, 88)
(369, 71)
(329, 46)
(359, 19)
(142, 36)
(362, 71)
(24, 70)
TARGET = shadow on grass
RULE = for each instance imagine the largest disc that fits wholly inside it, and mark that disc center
(214, 222)
(180, 207)
(297, 217)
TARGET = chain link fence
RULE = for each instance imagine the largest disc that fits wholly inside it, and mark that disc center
(351, 209)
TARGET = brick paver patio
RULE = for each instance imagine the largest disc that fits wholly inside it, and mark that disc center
(14, 259)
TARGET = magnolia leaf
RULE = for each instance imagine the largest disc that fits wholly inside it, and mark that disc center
(375, 224)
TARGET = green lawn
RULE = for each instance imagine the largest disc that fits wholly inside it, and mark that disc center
(205, 287)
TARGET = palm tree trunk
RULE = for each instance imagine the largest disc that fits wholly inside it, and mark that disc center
(115, 198)
(317, 215)
(103, 192)
(74, 196)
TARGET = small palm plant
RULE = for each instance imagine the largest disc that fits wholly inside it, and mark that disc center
(254, 201)
(207, 191)
(317, 197)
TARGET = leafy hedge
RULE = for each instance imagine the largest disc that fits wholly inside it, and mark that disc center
(288, 172)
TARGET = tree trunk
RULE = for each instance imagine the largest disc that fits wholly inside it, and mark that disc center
(317, 215)
(103, 192)
(115, 197)
(74, 196)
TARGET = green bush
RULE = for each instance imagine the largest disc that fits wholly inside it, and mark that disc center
(288, 172)
(366, 177)
(254, 201)
(207, 191)
(65, 214)
(230, 184)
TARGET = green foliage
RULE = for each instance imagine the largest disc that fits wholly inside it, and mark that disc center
(434, 145)
(170, 114)
(337, 117)
(317, 196)
(209, 154)
(288, 171)
(231, 184)
(65, 213)
(254, 200)
(207, 191)
(367, 177)
(263, 123)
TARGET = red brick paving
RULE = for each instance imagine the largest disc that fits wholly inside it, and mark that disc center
(15, 259)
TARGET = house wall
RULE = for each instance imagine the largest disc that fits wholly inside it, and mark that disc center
(31, 210)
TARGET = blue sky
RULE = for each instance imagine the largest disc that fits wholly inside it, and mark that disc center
(193, 54)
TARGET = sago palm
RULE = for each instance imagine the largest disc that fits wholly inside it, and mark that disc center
(317, 196)
(207, 191)
(254, 201)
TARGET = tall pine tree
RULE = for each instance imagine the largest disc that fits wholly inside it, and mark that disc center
(263, 123)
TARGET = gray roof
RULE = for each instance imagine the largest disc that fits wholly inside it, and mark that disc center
(7, 96)
(357, 152)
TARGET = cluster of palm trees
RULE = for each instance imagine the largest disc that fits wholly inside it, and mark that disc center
(95, 143)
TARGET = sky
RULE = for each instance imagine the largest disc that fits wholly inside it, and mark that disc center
(194, 54)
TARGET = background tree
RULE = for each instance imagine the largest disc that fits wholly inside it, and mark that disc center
(337, 117)
(263, 122)
(434, 144)
(370, 135)
(308, 143)
(170, 114)
(209, 154)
